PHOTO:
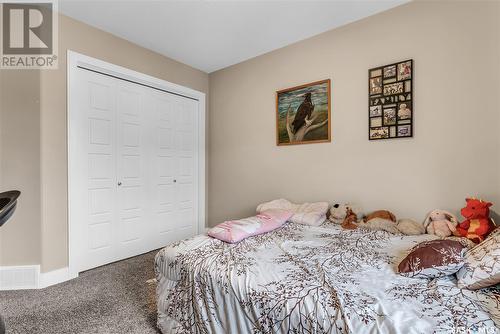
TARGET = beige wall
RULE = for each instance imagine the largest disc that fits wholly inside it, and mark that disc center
(20, 164)
(50, 233)
(455, 47)
(455, 152)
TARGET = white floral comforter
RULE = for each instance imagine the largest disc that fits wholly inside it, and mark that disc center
(303, 279)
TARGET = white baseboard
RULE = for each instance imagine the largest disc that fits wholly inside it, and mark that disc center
(53, 277)
(19, 277)
(30, 277)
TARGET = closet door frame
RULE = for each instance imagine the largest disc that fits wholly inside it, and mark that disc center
(74, 62)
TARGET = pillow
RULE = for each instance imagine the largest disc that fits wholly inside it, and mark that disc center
(307, 213)
(313, 214)
(435, 258)
(482, 264)
(236, 230)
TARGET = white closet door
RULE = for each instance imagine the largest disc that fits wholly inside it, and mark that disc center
(136, 166)
(132, 224)
(187, 155)
(96, 163)
(175, 202)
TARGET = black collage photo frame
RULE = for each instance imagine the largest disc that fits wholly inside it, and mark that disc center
(390, 101)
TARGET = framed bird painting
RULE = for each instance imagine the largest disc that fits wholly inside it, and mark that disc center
(303, 114)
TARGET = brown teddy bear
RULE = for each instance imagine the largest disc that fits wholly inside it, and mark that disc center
(350, 220)
(383, 220)
(382, 214)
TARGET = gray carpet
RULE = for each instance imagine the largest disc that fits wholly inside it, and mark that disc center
(109, 299)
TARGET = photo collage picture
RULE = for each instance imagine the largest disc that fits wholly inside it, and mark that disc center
(390, 101)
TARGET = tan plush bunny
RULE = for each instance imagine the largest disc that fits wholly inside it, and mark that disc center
(441, 223)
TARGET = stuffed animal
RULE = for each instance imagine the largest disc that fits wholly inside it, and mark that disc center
(379, 224)
(410, 227)
(383, 214)
(477, 224)
(441, 223)
(350, 220)
(338, 212)
(380, 220)
(404, 226)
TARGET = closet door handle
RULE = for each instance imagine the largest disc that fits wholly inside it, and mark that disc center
(119, 183)
(175, 181)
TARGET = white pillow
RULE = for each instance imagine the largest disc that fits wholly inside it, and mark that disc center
(482, 265)
(307, 213)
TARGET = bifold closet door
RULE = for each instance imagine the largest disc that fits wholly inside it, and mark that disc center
(133, 230)
(136, 164)
(94, 163)
(174, 166)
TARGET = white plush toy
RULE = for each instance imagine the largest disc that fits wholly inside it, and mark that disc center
(404, 226)
(337, 213)
(410, 227)
(380, 224)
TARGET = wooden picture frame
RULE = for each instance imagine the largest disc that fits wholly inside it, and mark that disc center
(390, 101)
(311, 103)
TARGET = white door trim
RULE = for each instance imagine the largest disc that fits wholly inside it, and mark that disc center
(75, 60)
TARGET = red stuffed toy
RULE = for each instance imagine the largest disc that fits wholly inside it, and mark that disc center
(477, 224)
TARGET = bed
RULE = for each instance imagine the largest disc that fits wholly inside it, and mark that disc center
(304, 279)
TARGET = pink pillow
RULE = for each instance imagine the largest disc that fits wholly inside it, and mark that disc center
(236, 230)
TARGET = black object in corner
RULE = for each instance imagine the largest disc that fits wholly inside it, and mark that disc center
(8, 202)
